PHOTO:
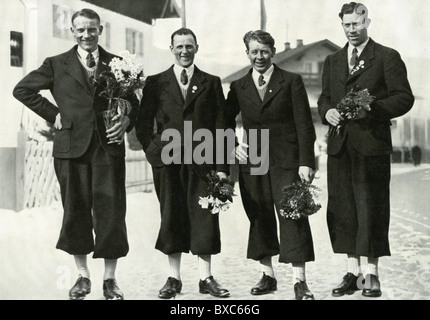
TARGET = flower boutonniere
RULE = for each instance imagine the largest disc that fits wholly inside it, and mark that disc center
(358, 67)
(194, 89)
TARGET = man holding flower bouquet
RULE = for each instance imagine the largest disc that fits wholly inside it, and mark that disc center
(364, 86)
(88, 158)
(275, 100)
(183, 99)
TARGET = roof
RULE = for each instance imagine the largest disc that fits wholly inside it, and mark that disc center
(284, 56)
(142, 10)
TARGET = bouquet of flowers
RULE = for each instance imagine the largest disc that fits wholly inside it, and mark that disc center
(220, 196)
(298, 200)
(350, 106)
(123, 79)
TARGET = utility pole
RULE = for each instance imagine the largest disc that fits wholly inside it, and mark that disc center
(184, 18)
(263, 16)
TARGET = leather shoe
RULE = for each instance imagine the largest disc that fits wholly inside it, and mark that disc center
(81, 288)
(111, 291)
(302, 291)
(171, 288)
(266, 285)
(347, 286)
(209, 285)
(372, 286)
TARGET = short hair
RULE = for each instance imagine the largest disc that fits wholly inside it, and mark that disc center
(88, 13)
(261, 36)
(352, 7)
(183, 31)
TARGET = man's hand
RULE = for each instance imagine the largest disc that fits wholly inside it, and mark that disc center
(241, 152)
(362, 113)
(333, 117)
(57, 124)
(306, 173)
(222, 175)
(116, 133)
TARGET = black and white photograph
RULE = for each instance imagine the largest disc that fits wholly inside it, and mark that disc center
(210, 156)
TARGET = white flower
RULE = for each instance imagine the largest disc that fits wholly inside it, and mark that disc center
(205, 202)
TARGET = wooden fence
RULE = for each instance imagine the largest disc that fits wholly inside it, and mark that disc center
(41, 187)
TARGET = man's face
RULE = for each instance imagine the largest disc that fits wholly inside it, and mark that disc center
(184, 49)
(260, 55)
(86, 32)
(355, 27)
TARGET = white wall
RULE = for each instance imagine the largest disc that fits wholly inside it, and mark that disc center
(10, 109)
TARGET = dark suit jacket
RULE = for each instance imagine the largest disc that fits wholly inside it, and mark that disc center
(384, 75)
(285, 112)
(77, 101)
(162, 103)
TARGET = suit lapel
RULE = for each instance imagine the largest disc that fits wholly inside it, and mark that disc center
(249, 89)
(273, 87)
(341, 64)
(102, 66)
(364, 59)
(104, 60)
(196, 87)
(75, 68)
(171, 86)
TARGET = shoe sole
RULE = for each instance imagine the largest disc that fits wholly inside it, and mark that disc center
(167, 297)
(262, 293)
(372, 295)
(224, 295)
(170, 296)
(345, 293)
(80, 297)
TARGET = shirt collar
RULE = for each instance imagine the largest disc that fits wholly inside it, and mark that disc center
(177, 69)
(267, 75)
(83, 53)
(360, 48)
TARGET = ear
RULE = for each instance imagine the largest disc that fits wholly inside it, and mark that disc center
(197, 48)
(171, 49)
(100, 30)
(367, 22)
(273, 52)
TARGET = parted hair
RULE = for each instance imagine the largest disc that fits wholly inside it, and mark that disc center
(352, 7)
(261, 36)
(183, 31)
(88, 13)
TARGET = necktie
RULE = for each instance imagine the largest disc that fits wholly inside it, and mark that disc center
(184, 77)
(90, 61)
(261, 81)
(354, 58)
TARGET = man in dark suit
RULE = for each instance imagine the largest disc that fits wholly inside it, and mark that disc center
(274, 99)
(183, 99)
(358, 212)
(89, 161)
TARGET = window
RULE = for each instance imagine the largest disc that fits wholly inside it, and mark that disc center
(62, 16)
(134, 41)
(16, 49)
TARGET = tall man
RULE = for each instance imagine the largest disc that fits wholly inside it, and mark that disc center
(358, 164)
(89, 161)
(271, 98)
(183, 99)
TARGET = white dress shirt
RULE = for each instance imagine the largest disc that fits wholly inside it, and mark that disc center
(82, 54)
(267, 75)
